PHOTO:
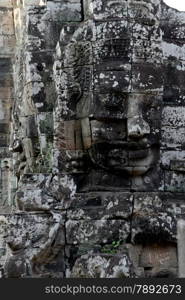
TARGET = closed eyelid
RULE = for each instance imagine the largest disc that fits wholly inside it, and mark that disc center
(105, 119)
(115, 98)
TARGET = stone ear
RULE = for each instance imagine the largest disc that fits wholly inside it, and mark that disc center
(86, 133)
(76, 92)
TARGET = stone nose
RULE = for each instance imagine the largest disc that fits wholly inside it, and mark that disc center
(137, 127)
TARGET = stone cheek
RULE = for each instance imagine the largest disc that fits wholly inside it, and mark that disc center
(91, 138)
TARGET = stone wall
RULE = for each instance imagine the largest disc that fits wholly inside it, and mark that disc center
(7, 184)
(7, 44)
(92, 169)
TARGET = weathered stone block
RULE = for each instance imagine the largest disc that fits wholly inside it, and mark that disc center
(68, 135)
(172, 138)
(173, 33)
(152, 228)
(75, 55)
(7, 42)
(174, 181)
(146, 77)
(173, 96)
(4, 140)
(102, 266)
(105, 10)
(40, 229)
(174, 80)
(5, 65)
(6, 80)
(5, 3)
(41, 232)
(37, 67)
(171, 156)
(96, 232)
(33, 2)
(155, 217)
(45, 122)
(177, 165)
(115, 29)
(105, 206)
(66, 11)
(4, 128)
(29, 126)
(159, 260)
(173, 117)
(4, 152)
(112, 80)
(117, 50)
(37, 97)
(144, 13)
(43, 192)
(146, 51)
(3, 250)
(7, 26)
(181, 227)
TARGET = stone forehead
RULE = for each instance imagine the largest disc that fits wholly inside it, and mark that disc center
(110, 9)
(98, 4)
(112, 40)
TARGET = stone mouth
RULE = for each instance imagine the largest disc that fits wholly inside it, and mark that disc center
(131, 146)
(135, 162)
(120, 154)
(134, 158)
(138, 154)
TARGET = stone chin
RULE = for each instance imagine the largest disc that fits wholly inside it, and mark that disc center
(139, 166)
(136, 171)
(133, 163)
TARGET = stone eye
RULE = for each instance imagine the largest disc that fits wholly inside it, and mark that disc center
(115, 101)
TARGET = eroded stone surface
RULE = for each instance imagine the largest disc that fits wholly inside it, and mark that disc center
(91, 138)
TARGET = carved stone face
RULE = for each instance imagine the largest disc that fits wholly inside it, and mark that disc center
(118, 102)
(125, 133)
